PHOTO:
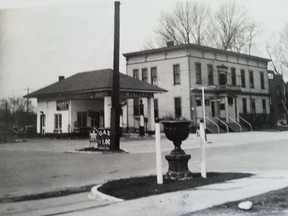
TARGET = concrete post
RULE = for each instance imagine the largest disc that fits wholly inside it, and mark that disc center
(203, 149)
(158, 154)
(151, 119)
(226, 109)
(107, 111)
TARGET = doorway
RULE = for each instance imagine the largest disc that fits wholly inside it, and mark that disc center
(213, 109)
(42, 124)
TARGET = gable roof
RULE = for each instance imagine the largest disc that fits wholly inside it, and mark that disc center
(94, 81)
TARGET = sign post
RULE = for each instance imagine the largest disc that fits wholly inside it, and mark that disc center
(104, 138)
(203, 149)
(158, 154)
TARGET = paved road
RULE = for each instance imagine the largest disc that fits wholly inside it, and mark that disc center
(44, 165)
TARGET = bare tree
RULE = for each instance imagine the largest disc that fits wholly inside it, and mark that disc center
(231, 28)
(277, 49)
(186, 24)
(284, 45)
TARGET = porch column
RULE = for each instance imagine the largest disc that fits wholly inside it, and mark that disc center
(227, 109)
(151, 120)
(107, 111)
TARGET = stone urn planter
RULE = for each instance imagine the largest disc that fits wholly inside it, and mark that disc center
(177, 131)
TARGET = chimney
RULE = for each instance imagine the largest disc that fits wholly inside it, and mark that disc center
(170, 43)
(61, 78)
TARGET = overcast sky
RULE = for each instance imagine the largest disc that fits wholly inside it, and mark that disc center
(43, 39)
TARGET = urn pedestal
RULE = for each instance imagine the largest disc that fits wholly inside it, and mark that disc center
(177, 131)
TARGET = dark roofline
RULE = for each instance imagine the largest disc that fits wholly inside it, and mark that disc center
(192, 46)
(125, 88)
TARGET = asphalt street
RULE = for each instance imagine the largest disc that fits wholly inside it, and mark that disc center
(40, 166)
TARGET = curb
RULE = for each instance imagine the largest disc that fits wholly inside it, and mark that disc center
(97, 194)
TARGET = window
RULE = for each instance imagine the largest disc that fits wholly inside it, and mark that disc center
(233, 76)
(198, 73)
(136, 107)
(222, 106)
(177, 103)
(210, 75)
(222, 77)
(230, 100)
(198, 102)
(154, 76)
(262, 80)
(82, 119)
(244, 105)
(264, 106)
(136, 74)
(156, 109)
(176, 74)
(243, 84)
(270, 75)
(253, 105)
(144, 75)
(58, 122)
(251, 78)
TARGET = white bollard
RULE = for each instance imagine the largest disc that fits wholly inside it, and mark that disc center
(203, 150)
(158, 154)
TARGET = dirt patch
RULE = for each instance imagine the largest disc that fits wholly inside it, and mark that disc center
(132, 188)
(107, 151)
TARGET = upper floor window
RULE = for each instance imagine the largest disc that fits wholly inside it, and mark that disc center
(198, 73)
(210, 74)
(136, 74)
(176, 74)
(144, 75)
(251, 78)
(243, 83)
(262, 80)
(233, 76)
(154, 79)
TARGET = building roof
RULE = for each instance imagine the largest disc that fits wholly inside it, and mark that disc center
(94, 81)
(193, 46)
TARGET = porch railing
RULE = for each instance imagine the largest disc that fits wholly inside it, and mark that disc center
(246, 122)
(213, 123)
(227, 127)
(236, 123)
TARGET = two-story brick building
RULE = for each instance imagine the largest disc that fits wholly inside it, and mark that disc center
(235, 85)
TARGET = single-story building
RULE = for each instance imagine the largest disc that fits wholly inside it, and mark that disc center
(82, 101)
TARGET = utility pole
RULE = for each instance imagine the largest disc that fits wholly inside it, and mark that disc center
(115, 111)
(27, 105)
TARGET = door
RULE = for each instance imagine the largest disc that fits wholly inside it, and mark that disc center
(213, 109)
(42, 124)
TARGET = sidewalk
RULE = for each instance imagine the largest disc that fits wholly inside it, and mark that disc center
(183, 202)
